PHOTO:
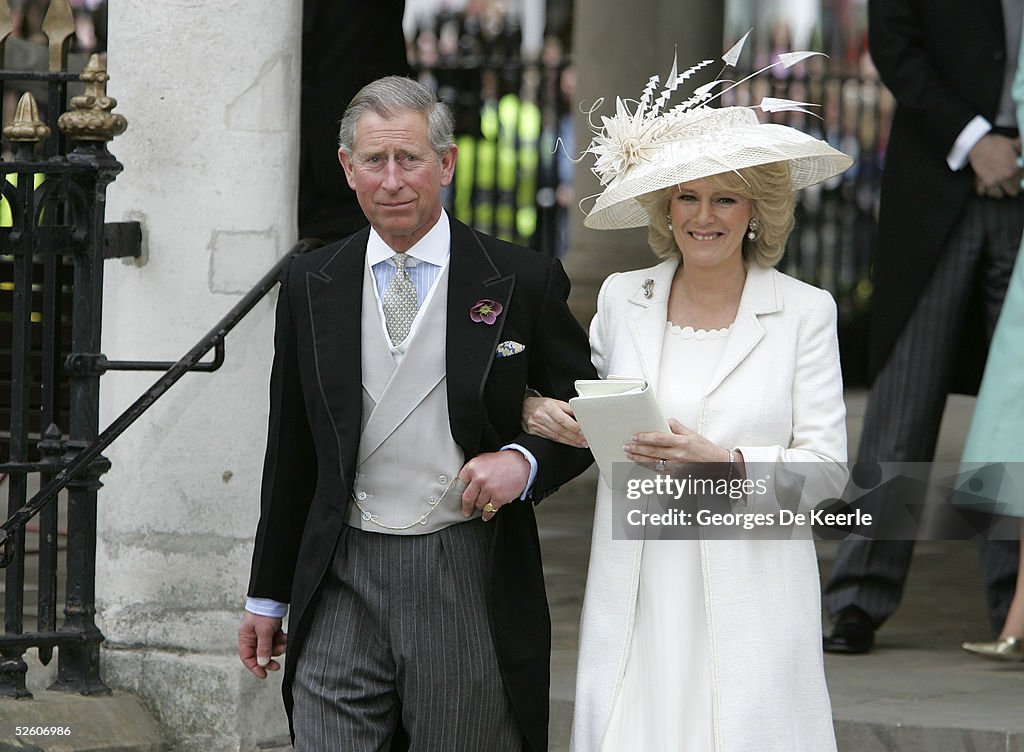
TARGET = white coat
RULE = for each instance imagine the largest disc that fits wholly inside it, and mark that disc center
(777, 397)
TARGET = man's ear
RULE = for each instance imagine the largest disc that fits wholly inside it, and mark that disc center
(346, 164)
(448, 164)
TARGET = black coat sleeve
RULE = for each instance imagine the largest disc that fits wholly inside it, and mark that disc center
(561, 355)
(289, 468)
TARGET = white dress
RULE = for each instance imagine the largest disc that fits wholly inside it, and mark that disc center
(665, 700)
(776, 396)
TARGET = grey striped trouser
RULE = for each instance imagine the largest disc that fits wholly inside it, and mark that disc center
(400, 635)
(907, 399)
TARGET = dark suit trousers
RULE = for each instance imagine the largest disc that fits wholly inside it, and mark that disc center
(907, 399)
(400, 635)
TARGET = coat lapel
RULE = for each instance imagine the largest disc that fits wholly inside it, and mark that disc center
(470, 346)
(649, 316)
(647, 320)
(334, 293)
(758, 298)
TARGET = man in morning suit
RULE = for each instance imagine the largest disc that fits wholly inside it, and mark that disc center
(949, 226)
(397, 512)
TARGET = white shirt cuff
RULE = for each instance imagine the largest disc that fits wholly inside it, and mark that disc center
(533, 467)
(266, 607)
(969, 136)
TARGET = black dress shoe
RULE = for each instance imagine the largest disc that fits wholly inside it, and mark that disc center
(852, 633)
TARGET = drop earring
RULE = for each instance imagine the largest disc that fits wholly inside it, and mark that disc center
(668, 219)
(753, 229)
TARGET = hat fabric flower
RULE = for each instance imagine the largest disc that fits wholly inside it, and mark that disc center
(485, 311)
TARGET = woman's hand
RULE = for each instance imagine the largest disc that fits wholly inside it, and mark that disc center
(682, 445)
(552, 419)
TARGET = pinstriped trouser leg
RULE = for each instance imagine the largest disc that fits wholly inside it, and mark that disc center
(907, 399)
(401, 633)
(452, 692)
(344, 687)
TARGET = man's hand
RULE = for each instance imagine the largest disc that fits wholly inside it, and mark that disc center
(994, 161)
(1011, 187)
(494, 478)
(260, 640)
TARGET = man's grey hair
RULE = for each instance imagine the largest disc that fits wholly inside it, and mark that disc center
(390, 96)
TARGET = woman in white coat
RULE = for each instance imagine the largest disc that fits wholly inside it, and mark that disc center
(708, 643)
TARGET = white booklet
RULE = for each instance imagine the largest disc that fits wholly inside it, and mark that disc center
(610, 411)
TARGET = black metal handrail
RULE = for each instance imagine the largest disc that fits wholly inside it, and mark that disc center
(214, 339)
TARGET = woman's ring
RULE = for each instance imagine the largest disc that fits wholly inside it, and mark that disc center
(659, 465)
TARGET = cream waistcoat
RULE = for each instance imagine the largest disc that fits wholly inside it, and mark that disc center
(407, 458)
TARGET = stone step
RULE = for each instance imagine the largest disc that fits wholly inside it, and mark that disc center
(917, 691)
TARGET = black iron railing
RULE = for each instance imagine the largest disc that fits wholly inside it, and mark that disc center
(53, 242)
(52, 237)
(61, 218)
(77, 466)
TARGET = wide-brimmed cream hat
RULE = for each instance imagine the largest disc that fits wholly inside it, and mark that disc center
(646, 149)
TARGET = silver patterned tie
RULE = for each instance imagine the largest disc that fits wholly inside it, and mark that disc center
(400, 302)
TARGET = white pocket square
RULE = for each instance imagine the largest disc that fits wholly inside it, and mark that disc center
(509, 347)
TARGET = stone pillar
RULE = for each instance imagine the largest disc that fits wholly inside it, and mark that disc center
(617, 47)
(211, 94)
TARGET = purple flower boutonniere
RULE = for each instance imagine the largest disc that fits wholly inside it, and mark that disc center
(485, 311)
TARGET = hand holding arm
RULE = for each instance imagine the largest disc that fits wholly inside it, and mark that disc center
(260, 640)
(552, 419)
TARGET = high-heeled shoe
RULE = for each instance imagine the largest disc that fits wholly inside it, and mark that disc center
(1006, 649)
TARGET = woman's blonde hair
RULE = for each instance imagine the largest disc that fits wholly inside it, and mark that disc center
(768, 187)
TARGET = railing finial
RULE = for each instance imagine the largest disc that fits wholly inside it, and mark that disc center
(6, 25)
(92, 119)
(26, 126)
(58, 25)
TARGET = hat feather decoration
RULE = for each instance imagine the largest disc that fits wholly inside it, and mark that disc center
(647, 145)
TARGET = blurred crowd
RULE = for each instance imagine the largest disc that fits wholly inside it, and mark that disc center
(516, 110)
(513, 110)
(90, 23)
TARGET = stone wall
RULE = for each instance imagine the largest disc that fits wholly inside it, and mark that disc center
(211, 94)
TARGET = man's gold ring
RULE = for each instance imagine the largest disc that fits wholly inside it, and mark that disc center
(490, 508)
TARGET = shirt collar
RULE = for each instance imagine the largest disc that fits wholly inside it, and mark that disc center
(432, 247)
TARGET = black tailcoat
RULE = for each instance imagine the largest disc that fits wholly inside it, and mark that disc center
(943, 61)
